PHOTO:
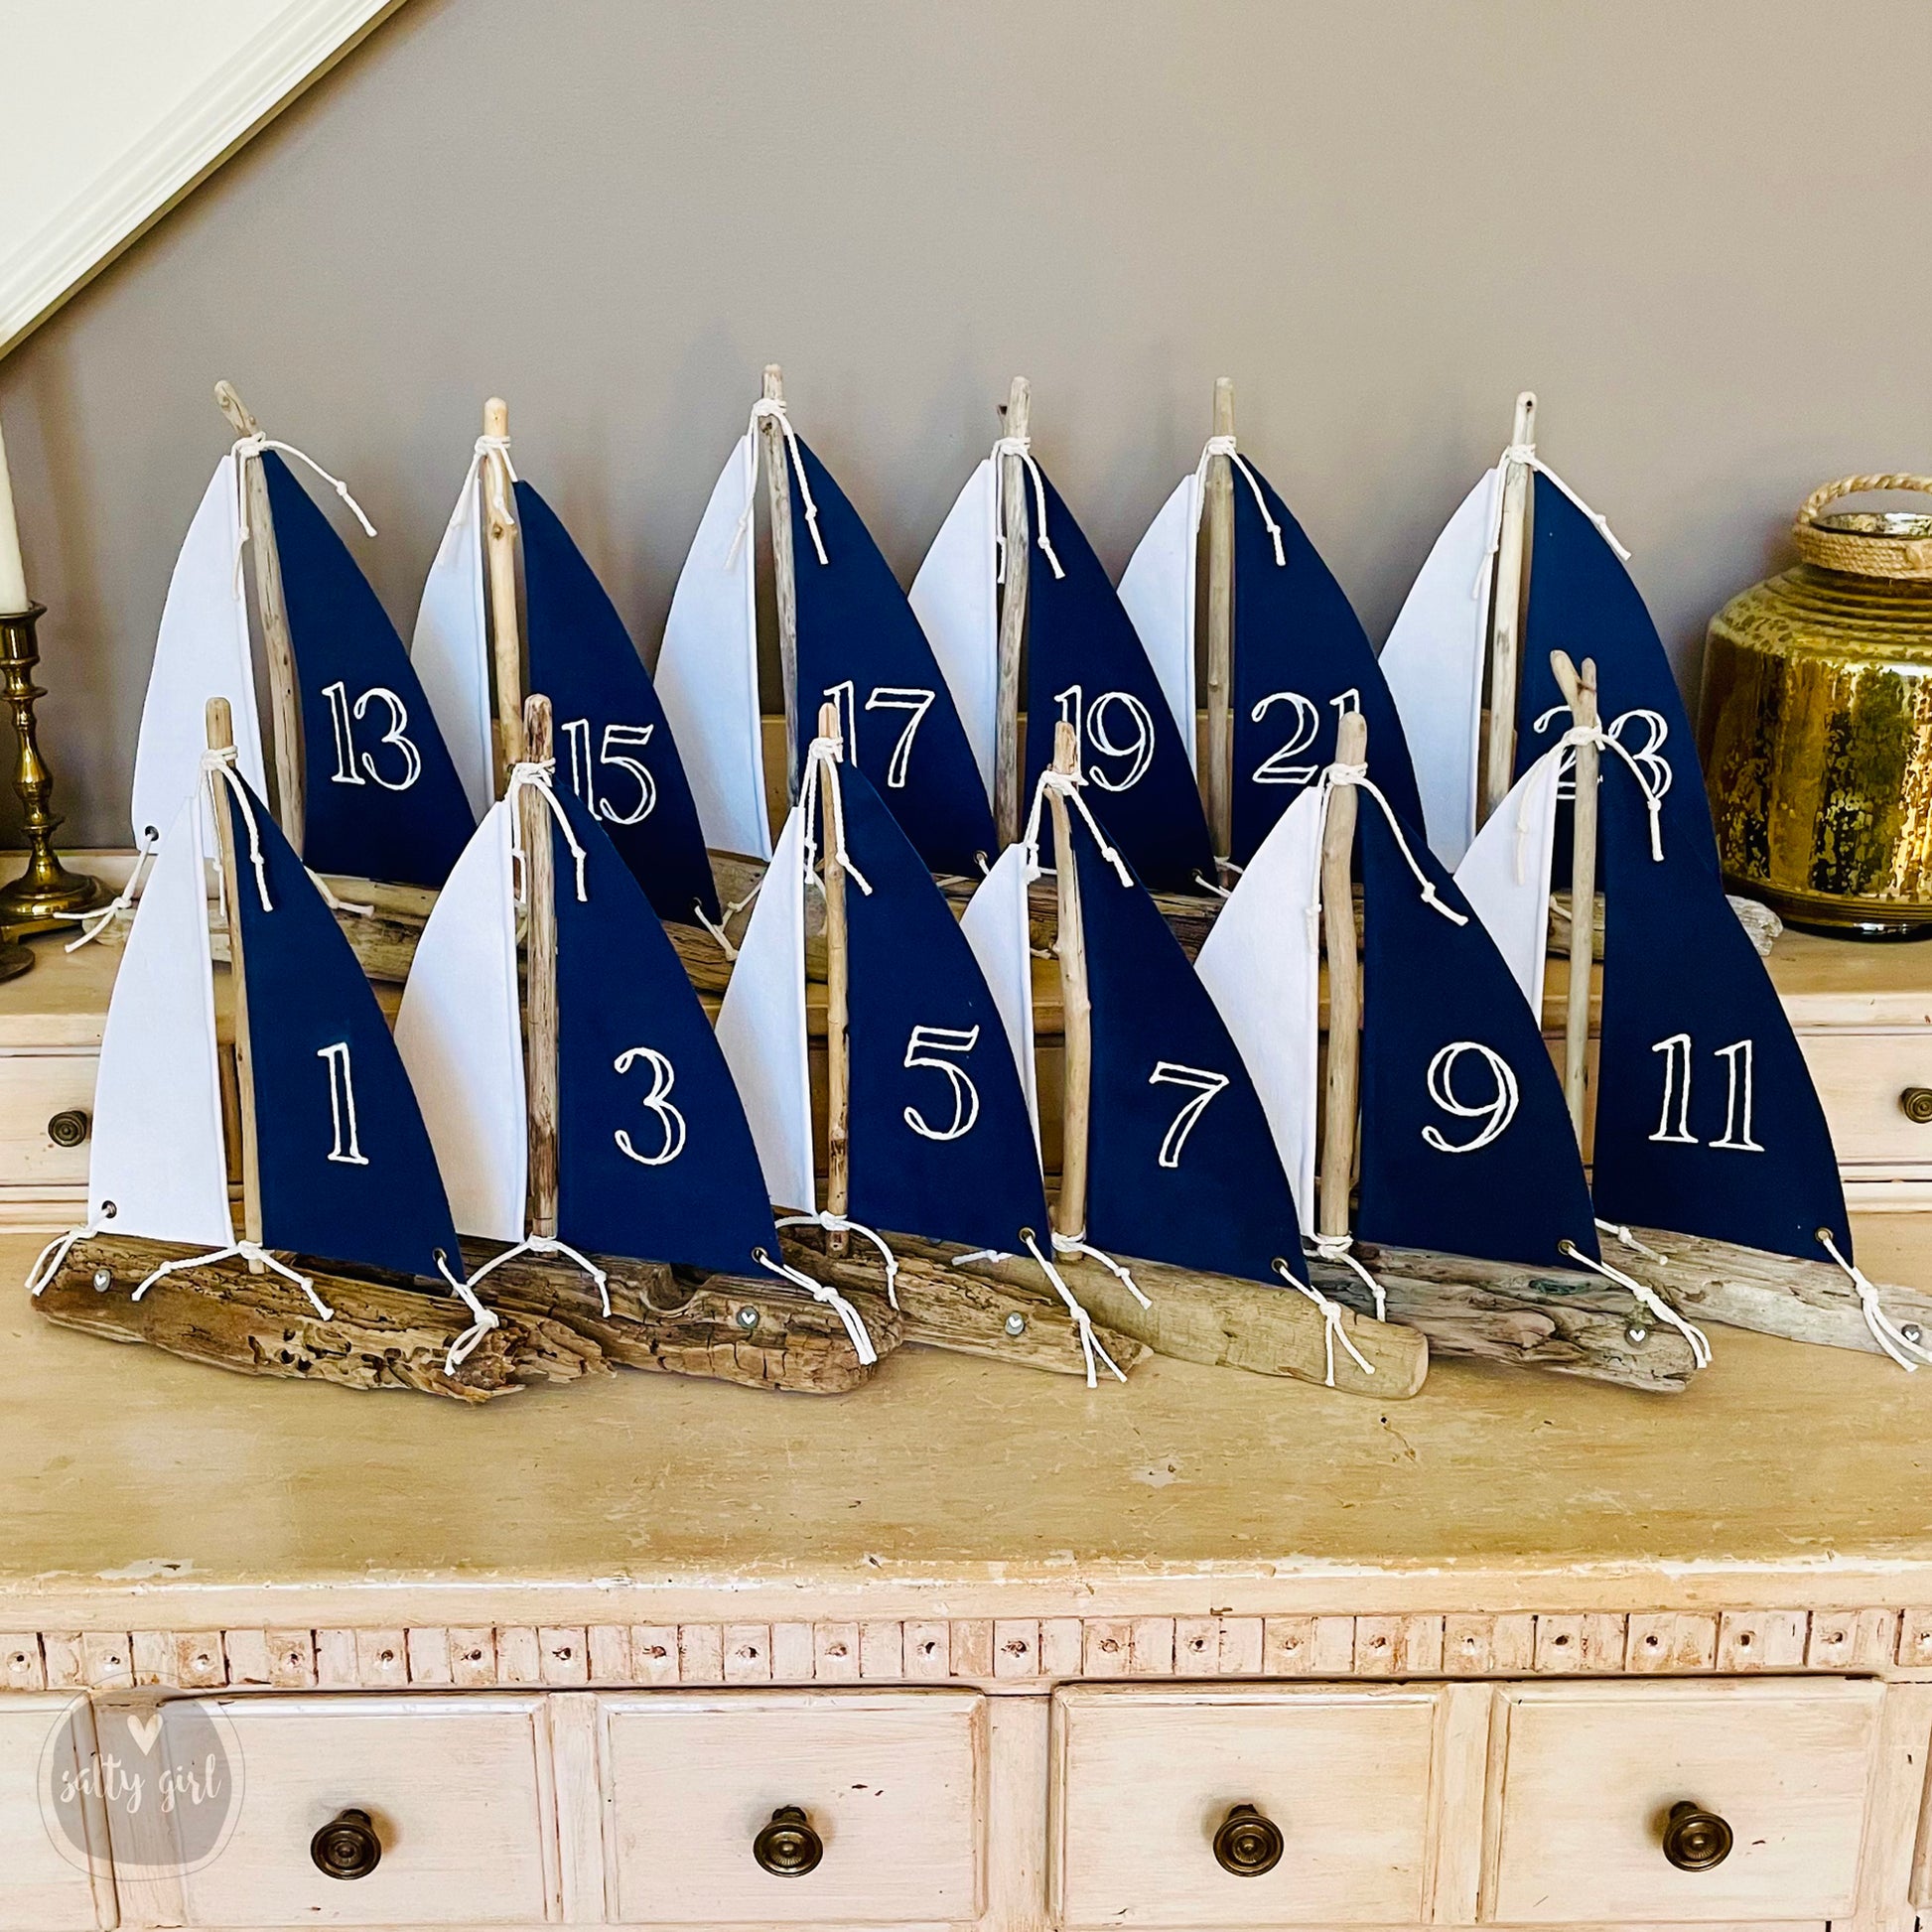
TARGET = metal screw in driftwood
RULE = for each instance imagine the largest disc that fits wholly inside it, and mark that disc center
(838, 1046)
(499, 548)
(1013, 619)
(1505, 628)
(1217, 514)
(1579, 694)
(220, 738)
(784, 582)
(278, 648)
(1341, 1087)
(1076, 1103)
(540, 975)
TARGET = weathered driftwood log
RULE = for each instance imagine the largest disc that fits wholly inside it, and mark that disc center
(1746, 1287)
(943, 1306)
(1564, 1322)
(384, 1337)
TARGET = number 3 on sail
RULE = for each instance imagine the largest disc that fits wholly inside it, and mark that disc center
(663, 1076)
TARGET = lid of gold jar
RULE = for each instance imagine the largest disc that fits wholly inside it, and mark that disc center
(1867, 543)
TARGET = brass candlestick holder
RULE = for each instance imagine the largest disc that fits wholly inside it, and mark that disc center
(45, 893)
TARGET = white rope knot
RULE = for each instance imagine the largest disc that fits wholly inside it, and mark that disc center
(537, 775)
(1332, 1330)
(464, 1346)
(823, 757)
(719, 928)
(1342, 1248)
(102, 916)
(1068, 786)
(1648, 1299)
(545, 1244)
(1884, 1330)
(248, 446)
(841, 1224)
(1022, 447)
(854, 1322)
(1224, 446)
(767, 409)
(1524, 457)
(249, 1251)
(1619, 1232)
(218, 768)
(46, 1264)
(1339, 773)
(1092, 1349)
(485, 448)
(1607, 740)
(1068, 1244)
(489, 445)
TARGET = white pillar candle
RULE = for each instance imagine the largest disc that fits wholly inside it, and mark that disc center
(13, 577)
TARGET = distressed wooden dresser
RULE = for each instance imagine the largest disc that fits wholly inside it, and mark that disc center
(971, 1647)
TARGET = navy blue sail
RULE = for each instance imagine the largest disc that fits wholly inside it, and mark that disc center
(1300, 659)
(1467, 1144)
(1706, 1119)
(347, 1172)
(1583, 601)
(614, 749)
(1087, 666)
(942, 1144)
(861, 647)
(654, 1158)
(1180, 1163)
(382, 796)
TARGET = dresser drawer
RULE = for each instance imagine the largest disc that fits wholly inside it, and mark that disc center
(1143, 1781)
(891, 1785)
(1583, 1781)
(457, 1790)
(52, 1835)
(1861, 1077)
(33, 1088)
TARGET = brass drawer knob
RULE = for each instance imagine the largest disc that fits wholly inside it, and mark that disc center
(1248, 1844)
(1916, 1103)
(69, 1128)
(1695, 1839)
(787, 1846)
(347, 1847)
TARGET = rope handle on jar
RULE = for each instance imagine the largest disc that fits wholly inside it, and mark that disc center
(1857, 486)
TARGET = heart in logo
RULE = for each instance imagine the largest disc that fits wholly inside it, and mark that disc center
(145, 1731)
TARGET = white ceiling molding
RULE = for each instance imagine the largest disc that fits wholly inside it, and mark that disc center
(249, 74)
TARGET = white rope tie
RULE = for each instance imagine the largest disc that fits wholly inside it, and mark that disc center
(222, 765)
(1332, 1330)
(1357, 775)
(1884, 1330)
(1092, 1349)
(1207, 884)
(822, 760)
(1023, 448)
(253, 445)
(252, 1251)
(335, 904)
(1649, 1299)
(1068, 785)
(1524, 455)
(719, 929)
(841, 1224)
(1607, 741)
(465, 1344)
(854, 1326)
(1342, 1248)
(544, 1244)
(1224, 446)
(102, 916)
(1630, 1241)
(1068, 1244)
(46, 1264)
(535, 775)
(765, 409)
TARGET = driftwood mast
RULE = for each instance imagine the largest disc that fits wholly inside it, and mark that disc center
(1579, 693)
(1012, 618)
(1217, 514)
(1077, 1092)
(784, 582)
(499, 548)
(1505, 630)
(284, 707)
(540, 976)
(838, 1046)
(1342, 1085)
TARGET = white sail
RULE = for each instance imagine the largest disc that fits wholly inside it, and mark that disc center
(159, 1165)
(1159, 592)
(201, 652)
(761, 1027)
(707, 675)
(1262, 964)
(1000, 933)
(956, 600)
(460, 1035)
(1505, 874)
(450, 646)
(1434, 666)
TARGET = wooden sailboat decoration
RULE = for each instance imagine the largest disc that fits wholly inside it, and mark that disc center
(617, 751)
(1285, 655)
(365, 785)
(336, 1162)
(847, 637)
(1711, 1156)
(592, 1113)
(1011, 571)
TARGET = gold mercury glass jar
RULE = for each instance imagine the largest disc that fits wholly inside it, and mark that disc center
(1815, 724)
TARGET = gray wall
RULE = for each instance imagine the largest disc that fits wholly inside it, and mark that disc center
(1699, 231)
